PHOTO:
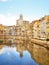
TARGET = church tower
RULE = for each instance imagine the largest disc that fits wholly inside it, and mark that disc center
(21, 16)
(20, 20)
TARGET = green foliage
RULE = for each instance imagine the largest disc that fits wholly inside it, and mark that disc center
(1, 41)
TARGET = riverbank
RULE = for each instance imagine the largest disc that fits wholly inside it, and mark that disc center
(40, 42)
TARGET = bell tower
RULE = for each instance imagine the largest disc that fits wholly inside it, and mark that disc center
(20, 20)
(21, 16)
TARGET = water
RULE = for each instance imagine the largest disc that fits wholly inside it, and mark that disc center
(23, 54)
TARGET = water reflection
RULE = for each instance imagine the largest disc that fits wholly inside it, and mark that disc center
(24, 54)
(15, 55)
(39, 54)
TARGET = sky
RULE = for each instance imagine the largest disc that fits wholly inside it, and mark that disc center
(10, 10)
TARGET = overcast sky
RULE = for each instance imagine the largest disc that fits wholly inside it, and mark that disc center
(30, 9)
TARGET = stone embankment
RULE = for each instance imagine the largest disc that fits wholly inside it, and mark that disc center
(40, 42)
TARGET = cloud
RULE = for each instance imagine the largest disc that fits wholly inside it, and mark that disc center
(7, 50)
(3, 0)
(7, 19)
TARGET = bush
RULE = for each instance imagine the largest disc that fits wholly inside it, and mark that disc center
(1, 41)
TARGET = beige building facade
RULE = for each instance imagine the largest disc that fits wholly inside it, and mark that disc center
(40, 28)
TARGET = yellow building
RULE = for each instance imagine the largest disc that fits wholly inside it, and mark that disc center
(42, 25)
(28, 29)
(40, 28)
(9, 34)
(47, 27)
(44, 28)
(35, 29)
(1, 33)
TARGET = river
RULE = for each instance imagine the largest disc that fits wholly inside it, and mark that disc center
(24, 54)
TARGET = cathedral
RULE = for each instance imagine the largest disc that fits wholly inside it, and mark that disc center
(16, 33)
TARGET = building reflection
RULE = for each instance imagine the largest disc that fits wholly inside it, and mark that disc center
(20, 48)
(38, 53)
